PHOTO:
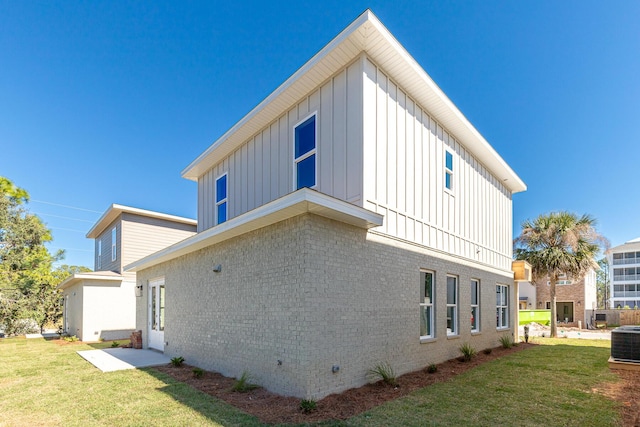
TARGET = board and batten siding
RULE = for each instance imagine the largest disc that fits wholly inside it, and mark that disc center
(404, 172)
(261, 169)
(144, 235)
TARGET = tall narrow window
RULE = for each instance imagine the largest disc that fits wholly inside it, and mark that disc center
(113, 245)
(448, 175)
(502, 306)
(305, 153)
(475, 305)
(426, 304)
(452, 305)
(99, 256)
(221, 199)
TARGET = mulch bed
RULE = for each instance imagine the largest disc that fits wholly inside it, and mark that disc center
(275, 409)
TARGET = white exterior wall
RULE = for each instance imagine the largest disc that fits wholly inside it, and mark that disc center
(590, 293)
(109, 309)
(404, 149)
(261, 169)
(73, 300)
(623, 298)
(526, 289)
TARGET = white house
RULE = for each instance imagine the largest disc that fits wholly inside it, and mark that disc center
(101, 303)
(354, 216)
(624, 264)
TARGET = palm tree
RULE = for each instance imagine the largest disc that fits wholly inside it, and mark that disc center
(559, 243)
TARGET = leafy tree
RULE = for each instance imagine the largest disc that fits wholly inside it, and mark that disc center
(27, 280)
(559, 243)
(602, 283)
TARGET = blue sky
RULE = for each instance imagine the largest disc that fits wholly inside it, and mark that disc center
(107, 102)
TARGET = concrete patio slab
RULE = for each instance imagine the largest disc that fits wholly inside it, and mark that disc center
(117, 359)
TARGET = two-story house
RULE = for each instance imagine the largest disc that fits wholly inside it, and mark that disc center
(354, 216)
(101, 303)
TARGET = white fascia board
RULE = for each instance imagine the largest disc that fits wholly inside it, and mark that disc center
(365, 34)
(297, 203)
(115, 209)
(72, 280)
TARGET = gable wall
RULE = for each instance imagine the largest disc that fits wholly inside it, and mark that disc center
(261, 170)
(404, 149)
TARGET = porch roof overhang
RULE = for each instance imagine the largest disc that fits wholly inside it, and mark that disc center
(366, 34)
(297, 203)
(91, 275)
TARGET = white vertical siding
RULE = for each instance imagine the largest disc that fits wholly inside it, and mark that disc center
(261, 169)
(407, 149)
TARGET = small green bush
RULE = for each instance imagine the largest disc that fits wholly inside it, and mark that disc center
(243, 384)
(198, 373)
(432, 369)
(177, 361)
(308, 405)
(71, 338)
(467, 351)
(115, 344)
(382, 371)
(506, 341)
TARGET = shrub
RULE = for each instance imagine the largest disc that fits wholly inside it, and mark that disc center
(71, 338)
(467, 351)
(506, 341)
(198, 373)
(115, 344)
(432, 369)
(243, 384)
(382, 371)
(487, 350)
(177, 361)
(308, 405)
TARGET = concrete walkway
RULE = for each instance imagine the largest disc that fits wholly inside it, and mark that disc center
(117, 359)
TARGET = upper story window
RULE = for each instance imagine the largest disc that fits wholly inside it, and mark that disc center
(448, 174)
(305, 153)
(426, 304)
(113, 245)
(221, 199)
(99, 257)
(452, 305)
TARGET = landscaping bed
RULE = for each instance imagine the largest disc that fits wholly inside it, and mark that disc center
(275, 409)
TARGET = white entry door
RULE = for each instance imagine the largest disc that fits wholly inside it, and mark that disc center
(156, 314)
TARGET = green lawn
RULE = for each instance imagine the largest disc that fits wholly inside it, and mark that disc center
(42, 383)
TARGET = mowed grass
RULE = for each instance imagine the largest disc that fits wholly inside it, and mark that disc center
(42, 383)
(45, 384)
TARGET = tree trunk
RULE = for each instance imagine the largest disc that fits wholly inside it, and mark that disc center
(554, 315)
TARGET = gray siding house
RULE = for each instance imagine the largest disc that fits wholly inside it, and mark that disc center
(354, 216)
(102, 303)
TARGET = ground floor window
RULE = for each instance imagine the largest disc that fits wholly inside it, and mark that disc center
(426, 304)
(502, 306)
(475, 305)
(452, 305)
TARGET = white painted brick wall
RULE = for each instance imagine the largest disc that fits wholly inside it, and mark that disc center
(313, 293)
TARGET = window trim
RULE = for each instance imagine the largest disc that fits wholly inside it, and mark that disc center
(502, 307)
(432, 305)
(99, 255)
(476, 315)
(224, 201)
(448, 172)
(114, 250)
(455, 329)
(306, 155)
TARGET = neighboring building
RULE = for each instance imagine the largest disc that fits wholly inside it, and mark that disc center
(101, 304)
(575, 299)
(354, 216)
(624, 265)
